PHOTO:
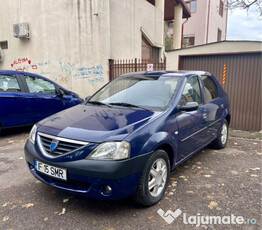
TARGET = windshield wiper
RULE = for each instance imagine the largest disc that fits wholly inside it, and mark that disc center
(97, 103)
(128, 105)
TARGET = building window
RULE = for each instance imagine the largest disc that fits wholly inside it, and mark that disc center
(149, 53)
(219, 35)
(221, 8)
(188, 41)
(4, 45)
(192, 5)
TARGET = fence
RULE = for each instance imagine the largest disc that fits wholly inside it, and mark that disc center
(118, 67)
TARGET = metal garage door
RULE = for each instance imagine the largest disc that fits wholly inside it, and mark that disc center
(243, 83)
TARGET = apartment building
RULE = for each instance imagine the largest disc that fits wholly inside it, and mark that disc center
(207, 24)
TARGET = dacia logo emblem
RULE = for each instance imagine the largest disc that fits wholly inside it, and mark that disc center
(53, 145)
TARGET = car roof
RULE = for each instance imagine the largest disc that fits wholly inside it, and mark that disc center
(179, 73)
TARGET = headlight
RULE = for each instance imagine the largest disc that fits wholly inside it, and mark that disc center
(111, 151)
(32, 134)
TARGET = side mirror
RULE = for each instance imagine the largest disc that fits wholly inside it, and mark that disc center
(189, 106)
(87, 98)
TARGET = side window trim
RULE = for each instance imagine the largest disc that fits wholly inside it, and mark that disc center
(200, 88)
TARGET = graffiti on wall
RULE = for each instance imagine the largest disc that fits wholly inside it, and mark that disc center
(93, 74)
(20, 61)
(26, 65)
(65, 71)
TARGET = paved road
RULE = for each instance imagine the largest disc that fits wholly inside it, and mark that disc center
(212, 183)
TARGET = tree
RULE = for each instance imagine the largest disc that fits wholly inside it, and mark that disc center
(168, 38)
(245, 5)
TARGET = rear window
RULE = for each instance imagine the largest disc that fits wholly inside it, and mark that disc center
(9, 83)
(210, 88)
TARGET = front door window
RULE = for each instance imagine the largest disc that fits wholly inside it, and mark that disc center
(192, 92)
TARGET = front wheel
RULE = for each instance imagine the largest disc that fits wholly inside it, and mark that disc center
(221, 140)
(154, 180)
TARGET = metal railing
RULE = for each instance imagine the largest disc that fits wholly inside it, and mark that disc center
(118, 67)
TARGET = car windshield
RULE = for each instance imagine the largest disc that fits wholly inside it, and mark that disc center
(146, 92)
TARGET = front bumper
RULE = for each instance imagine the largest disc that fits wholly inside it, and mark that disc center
(89, 177)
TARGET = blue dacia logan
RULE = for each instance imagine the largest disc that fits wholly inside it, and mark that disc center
(127, 137)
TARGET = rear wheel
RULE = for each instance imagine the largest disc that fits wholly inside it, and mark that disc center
(154, 180)
(221, 140)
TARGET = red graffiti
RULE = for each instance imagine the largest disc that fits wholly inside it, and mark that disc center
(63, 79)
(22, 69)
(20, 61)
(34, 66)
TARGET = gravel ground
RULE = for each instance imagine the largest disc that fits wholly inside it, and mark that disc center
(211, 183)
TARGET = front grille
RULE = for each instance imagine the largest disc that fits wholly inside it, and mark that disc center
(63, 145)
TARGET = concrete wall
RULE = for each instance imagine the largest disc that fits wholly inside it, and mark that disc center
(70, 44)
(213, 48)
(126, 20)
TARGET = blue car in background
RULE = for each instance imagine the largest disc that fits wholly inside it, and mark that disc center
(27, 98)
(129, 135)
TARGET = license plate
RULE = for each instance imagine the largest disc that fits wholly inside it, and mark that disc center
(50, 170)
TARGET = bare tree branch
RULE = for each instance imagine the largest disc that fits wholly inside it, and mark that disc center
(245, 5)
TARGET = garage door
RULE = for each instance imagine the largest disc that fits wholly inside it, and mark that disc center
(242, 83)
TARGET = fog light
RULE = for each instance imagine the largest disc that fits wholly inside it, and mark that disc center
(108, 189)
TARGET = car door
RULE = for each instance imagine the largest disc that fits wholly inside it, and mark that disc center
(13, 108)
(213, 104)
(192, 124)
(44, 100)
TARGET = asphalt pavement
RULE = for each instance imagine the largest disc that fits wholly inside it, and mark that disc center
(214, 184)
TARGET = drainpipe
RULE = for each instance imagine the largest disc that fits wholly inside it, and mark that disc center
(20, 14)
(226, 25)
(182, 36)
(208, 20)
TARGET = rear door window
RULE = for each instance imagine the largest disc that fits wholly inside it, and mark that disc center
(210, 88)
(9, 83)
(40, 86)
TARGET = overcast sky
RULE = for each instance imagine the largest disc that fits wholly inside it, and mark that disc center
(244, 26)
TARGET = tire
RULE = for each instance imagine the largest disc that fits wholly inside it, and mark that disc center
(221, 141)
(157, 171)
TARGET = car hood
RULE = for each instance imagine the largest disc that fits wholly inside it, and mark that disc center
(94, 123)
